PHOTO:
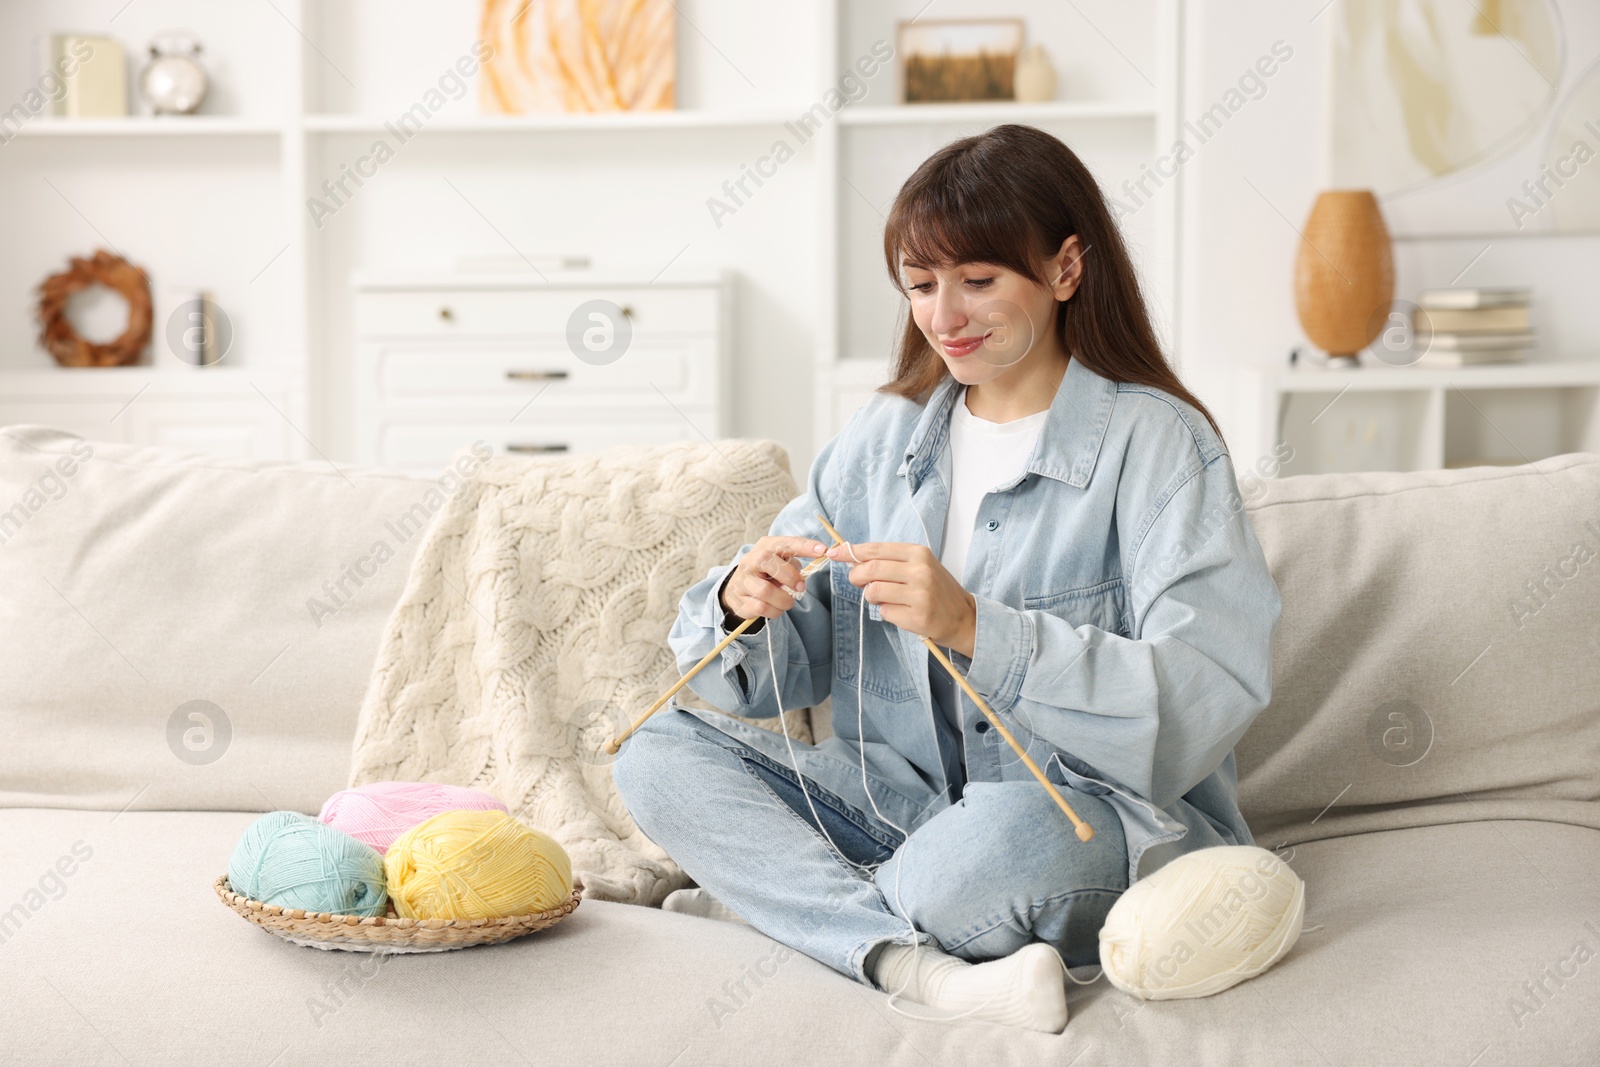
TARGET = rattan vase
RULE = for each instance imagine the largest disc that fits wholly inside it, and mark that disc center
(1344, 273)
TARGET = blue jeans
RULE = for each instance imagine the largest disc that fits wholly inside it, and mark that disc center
(980, 878)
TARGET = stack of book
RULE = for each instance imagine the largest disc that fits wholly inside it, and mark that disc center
(1461, 327)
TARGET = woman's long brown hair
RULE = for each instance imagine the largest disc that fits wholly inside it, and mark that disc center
(1009, 197)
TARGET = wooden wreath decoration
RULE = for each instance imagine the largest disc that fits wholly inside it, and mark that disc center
(59, 337)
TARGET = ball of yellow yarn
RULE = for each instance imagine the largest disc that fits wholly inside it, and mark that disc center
(475, 865)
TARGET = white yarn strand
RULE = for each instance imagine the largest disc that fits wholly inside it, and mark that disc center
(869, 870)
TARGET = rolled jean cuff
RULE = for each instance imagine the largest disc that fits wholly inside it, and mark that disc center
(858, 958)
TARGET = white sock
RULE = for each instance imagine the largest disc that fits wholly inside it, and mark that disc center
(698, 901)
(1024, 989)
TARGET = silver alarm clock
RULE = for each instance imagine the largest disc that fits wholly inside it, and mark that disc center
(174, 82)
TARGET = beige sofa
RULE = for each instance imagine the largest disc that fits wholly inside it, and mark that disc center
(1430, 766)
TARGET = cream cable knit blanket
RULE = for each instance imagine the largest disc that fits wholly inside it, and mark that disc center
(533, 627)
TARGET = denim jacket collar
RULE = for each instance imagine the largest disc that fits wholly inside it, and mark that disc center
(1068, 444)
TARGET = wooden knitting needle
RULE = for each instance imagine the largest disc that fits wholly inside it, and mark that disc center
(615, 743)
(1084, 831)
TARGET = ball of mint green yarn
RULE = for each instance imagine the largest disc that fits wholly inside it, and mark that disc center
(294, 861)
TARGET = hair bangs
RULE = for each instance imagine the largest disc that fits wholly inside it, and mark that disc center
(955, 219)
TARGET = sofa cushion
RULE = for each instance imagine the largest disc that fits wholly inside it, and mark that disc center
(1429, 942)
(185, 631)
(1437, 657)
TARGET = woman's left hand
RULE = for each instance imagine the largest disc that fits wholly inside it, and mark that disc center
(913, 590)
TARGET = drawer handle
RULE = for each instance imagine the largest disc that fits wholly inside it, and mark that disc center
(535, 375)
(446, 314)
(535, 448)
(627, 312)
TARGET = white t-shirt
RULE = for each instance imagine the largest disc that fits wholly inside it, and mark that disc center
(983, 455)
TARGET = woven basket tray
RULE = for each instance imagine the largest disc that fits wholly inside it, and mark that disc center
(353, 933)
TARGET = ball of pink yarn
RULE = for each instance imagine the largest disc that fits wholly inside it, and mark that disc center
(380, 812)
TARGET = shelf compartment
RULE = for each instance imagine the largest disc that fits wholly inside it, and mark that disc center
(188, 212)
(1368, 430)
(1512, 425)
(1454, 417)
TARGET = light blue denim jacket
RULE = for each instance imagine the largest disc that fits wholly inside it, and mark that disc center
(1125, 613)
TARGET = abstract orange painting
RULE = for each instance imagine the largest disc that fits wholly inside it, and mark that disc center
(554, 56)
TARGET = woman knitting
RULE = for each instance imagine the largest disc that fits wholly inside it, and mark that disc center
(1037, 493)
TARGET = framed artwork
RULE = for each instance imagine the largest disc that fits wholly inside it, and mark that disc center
(556, 56)
(1469, 116)
(958, 59)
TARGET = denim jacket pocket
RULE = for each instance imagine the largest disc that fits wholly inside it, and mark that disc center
(1103, 605)
(883, 673)
(1059, 773)
(1157, 823)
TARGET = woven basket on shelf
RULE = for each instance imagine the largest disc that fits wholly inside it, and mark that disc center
(352, 933)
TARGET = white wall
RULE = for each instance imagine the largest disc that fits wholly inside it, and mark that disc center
(1238, 245)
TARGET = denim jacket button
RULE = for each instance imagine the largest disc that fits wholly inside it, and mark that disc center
(983, 726)
(993, 523)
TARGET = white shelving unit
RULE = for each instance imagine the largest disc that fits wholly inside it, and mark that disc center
(302, 87)
(1382, 417)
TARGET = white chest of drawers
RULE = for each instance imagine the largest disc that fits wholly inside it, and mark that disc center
(531, 366)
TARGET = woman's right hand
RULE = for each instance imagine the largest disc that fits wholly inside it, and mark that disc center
(766, 577)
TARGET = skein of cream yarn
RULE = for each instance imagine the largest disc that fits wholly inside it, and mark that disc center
(1203, 922)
